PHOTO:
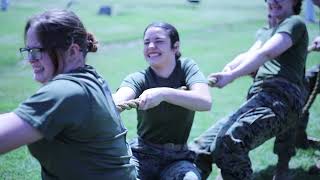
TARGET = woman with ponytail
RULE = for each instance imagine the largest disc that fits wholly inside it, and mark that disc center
(71, 125)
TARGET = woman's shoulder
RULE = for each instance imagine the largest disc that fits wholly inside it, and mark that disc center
(186, 61)
(294, 19)
(63, 87)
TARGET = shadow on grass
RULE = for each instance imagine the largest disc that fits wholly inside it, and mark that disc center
(294, 174)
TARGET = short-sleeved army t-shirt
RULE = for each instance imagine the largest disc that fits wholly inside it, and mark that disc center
(291, 64)
(84, 137)
(165, 123)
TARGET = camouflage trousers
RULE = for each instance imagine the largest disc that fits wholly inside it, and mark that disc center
(271, 112)
(164, 162)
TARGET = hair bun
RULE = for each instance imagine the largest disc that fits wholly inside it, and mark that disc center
(92, 43)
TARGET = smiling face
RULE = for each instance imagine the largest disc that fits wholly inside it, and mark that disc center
(281, 9)
(157, 48)
(43, 68)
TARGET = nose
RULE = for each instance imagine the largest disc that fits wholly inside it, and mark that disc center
(31, 58)
(151, 45)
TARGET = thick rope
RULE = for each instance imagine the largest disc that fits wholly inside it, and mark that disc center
(134, 103)
(127, 105)
(312, 95)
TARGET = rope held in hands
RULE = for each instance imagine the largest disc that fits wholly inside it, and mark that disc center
(312, 95)
(134, 103)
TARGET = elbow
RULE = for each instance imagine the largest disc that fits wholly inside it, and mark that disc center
(207, 104)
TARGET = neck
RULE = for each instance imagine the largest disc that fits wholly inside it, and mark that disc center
(165, 71)
(72, 65)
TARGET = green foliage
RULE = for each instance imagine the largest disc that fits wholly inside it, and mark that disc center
(212, 33)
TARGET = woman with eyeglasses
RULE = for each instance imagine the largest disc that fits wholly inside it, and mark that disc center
(71, 125)
(274, 100)
(165, 113)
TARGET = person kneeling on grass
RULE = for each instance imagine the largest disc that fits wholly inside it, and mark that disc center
(71, 124)
(165, 112)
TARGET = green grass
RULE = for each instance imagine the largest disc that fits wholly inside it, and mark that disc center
(212, 33)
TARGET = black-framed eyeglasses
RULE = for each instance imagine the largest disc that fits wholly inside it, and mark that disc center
(31, 53)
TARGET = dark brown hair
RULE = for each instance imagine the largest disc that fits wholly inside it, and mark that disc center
(57, 30)
(297, 7)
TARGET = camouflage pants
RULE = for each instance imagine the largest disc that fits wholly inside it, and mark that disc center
(162, 162)
(272, 112)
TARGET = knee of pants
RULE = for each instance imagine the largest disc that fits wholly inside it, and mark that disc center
(180, 170)
(227, 148)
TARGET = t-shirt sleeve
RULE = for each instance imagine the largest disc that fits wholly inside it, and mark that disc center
(294, 27)
(135, 81)
(192, 72)
(57, 106)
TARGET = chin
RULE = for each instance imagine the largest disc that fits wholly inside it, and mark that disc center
(39, 79)
(153, 62)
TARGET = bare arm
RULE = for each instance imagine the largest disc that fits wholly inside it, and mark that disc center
(197, 98)
(241, 57)
(15, 132)
(274, 47)
(123, 94)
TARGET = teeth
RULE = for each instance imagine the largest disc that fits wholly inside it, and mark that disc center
(37, 69)
(153, 54)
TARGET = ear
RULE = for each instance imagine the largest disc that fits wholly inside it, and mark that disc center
(74, 50)
(176, 46)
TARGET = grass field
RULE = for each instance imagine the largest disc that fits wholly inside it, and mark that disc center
(211, 33)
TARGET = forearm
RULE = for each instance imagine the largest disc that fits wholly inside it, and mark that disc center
(190, 99)
(236, 61)
(123, 94)
(252, 62)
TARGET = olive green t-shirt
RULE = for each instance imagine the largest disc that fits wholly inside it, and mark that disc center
(165, 123)
(289, 65)
(84, 137)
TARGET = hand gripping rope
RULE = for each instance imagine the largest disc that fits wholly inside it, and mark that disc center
(134, 103)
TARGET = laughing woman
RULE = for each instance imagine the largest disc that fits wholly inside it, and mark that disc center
(71, 125)
(165, 113)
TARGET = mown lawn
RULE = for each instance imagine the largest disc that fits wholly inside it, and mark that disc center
(212, 33)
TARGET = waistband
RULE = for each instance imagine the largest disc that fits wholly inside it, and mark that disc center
(166, 146)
